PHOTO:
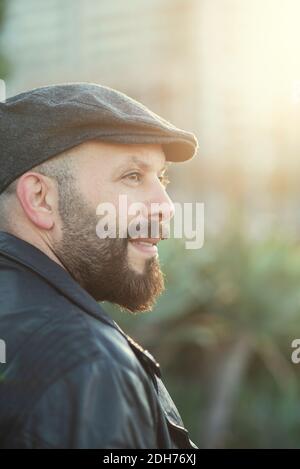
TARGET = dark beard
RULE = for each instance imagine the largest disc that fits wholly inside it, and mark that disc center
(100, 266)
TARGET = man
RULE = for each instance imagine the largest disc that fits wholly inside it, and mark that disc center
(72, 377)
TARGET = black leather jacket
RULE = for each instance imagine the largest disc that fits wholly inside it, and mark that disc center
(72, 377)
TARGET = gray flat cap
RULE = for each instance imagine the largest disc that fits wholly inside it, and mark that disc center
(40, 123)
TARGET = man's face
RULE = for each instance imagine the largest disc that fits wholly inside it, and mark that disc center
(122, 270)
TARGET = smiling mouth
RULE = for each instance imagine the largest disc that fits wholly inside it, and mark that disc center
(146, 246)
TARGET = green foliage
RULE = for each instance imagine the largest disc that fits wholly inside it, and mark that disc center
(2, 10)
(235, 296)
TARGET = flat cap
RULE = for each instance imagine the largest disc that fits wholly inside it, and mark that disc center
(40, 123)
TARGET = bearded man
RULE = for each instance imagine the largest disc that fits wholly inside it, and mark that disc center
(72, 377)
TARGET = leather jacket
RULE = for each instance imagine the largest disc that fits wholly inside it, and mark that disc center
(72, 378)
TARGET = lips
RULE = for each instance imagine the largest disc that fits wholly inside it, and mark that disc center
(146, 246)
(146, 241)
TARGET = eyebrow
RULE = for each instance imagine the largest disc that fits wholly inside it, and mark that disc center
(143, 164)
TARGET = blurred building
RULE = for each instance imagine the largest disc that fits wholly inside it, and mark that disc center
(225, 69)
(144, 48)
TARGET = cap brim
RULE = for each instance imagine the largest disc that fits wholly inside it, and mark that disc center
(179, 151)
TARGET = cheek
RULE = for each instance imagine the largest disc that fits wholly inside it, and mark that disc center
(131, 211)
(118, 201)
(111, 208)
(97, 192)
(123, 204)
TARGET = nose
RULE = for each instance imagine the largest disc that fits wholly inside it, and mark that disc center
(161, 206)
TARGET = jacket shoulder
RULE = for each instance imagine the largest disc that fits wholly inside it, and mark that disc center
(97, 404)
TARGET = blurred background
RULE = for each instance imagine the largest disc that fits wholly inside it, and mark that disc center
(229, 70)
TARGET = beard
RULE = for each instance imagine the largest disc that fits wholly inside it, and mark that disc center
(101, 266)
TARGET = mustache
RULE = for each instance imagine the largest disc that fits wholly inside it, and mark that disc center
(148, 229)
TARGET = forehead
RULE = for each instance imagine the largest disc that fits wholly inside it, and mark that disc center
(95, 154)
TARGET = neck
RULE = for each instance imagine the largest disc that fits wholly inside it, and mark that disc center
(40, 242)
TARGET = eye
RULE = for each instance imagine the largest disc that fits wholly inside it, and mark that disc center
(135, 176)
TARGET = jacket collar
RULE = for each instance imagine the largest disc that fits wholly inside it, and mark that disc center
(34, 259)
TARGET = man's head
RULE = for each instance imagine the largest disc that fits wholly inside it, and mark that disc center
(65, 149)
(54, 207)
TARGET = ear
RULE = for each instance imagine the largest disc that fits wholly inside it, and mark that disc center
(37, 196)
